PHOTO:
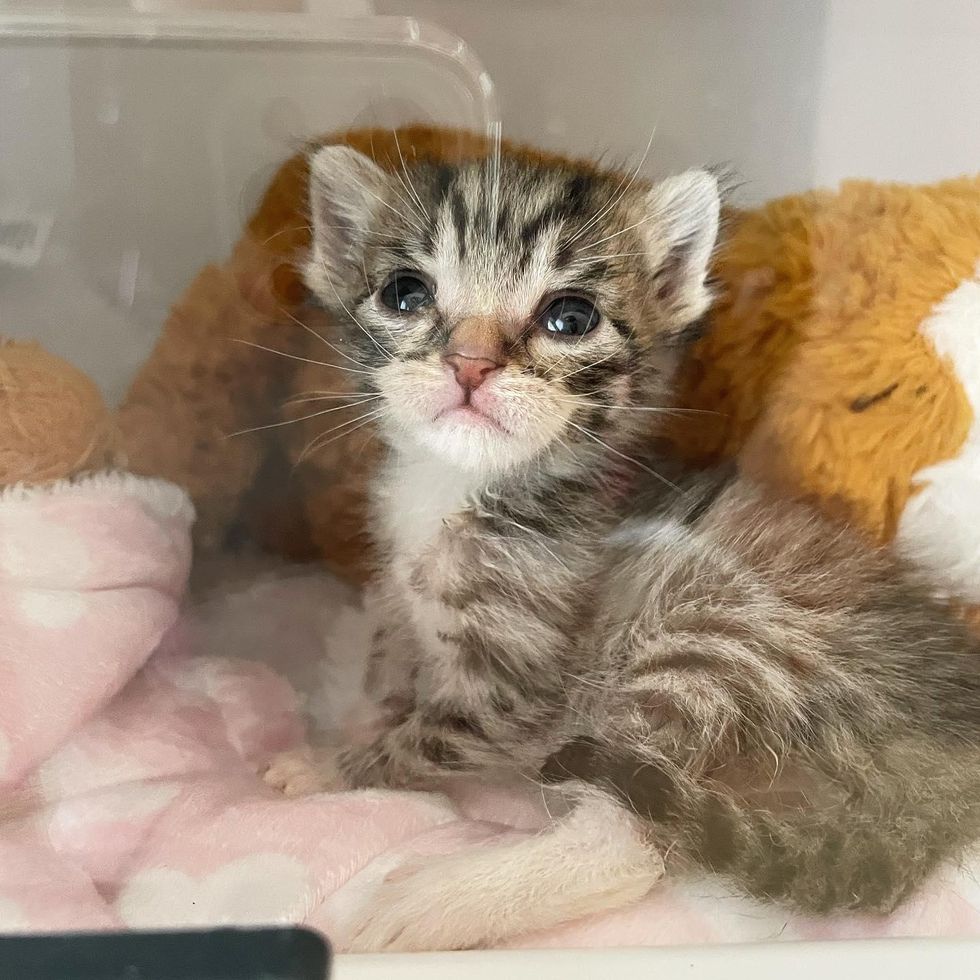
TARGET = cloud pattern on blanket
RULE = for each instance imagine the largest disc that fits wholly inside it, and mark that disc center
(128, 757)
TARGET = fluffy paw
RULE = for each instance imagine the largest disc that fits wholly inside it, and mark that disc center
(302, 772)
(400, 918)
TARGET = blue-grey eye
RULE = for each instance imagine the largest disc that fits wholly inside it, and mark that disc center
(570, 316)
(406, 293)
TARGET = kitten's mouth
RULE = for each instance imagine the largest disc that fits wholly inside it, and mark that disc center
(469, 415)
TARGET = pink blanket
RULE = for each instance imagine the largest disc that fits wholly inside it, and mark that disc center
(131, 737)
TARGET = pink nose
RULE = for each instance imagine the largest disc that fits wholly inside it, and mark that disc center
(470, 372)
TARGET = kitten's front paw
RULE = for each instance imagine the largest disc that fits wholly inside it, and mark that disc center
(303, 772)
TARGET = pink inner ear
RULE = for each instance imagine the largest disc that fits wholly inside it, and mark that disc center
(667, 276)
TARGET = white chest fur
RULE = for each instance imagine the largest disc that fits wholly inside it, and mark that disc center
(418, 493)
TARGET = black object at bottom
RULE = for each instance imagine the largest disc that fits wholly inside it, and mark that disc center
(216, 954)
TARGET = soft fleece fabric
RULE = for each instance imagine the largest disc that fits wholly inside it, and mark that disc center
(129, 750)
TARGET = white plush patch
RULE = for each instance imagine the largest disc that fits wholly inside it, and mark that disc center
(12, 917)
(53, 610)
(255, 890)
(940, 528)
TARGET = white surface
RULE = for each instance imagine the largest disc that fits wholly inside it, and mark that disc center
(794, 93)
(894, 960)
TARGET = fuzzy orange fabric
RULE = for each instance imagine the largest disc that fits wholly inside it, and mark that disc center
(53, 420)
(815, 361)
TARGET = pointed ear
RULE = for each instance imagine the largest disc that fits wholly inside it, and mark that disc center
(680, 235)
(347, 190)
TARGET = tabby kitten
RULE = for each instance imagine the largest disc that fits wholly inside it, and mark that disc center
(775, 701)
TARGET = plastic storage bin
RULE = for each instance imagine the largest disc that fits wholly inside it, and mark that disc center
(132, 148)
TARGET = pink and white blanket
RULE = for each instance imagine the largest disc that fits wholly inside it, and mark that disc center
(131, 735)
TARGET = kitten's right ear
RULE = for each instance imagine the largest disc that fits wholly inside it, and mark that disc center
(346, 192)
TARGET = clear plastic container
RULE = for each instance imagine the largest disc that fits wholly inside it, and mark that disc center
(136, 141)
(132, 150)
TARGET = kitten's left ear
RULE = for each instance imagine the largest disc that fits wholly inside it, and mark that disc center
(680, 232)
(347, 191)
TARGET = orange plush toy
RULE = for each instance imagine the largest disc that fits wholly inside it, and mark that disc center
(53, 421)
(843, 364)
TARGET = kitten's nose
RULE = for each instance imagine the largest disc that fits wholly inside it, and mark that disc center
(470, 372)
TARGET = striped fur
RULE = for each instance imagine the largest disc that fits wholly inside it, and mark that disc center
(779, 702)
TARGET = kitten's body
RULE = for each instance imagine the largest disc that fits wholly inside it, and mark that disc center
(776, 700)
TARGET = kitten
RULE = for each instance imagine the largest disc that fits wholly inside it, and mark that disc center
(702, 671)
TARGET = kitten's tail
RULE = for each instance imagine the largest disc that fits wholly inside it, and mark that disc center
(594, 858)
(867, 849)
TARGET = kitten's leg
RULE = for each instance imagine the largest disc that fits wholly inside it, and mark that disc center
(594, 858)
(867, 850)
(768, 641)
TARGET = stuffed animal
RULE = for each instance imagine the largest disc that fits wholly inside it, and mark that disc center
(53, 421)
(842, 363)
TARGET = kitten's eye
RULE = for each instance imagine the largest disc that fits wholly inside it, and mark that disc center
(405, 293)
(570, 316)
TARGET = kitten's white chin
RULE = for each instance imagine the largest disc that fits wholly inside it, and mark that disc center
(473, 444)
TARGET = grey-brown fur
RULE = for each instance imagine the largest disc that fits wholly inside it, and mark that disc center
(785, 704)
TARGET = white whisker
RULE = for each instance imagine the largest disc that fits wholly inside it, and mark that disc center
(617, 196)
(382, 201)
(585, 367)
(285, 231)
(314, 396)
(302, 418)
(321, 338)
(410, 187)
(315, 445)
(360, 326)
(296, 357)
(660, 410)
(591, 435)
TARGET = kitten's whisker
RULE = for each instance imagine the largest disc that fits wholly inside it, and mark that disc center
(616, 234)
(296, 357)
(495, 173)
(410, 186)
(285, 231)
(618, 196)
(660, 410)
(302, 418)
(315, 396)
(367, 231)
(585, 367)
(588, 433)
(315, 445)
(370, 289)
(360, 326)
(321, 338)
(384, 203)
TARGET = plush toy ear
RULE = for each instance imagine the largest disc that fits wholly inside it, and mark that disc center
(347, 190)
(680, 232)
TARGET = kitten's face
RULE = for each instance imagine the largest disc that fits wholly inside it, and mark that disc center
(504, 312)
